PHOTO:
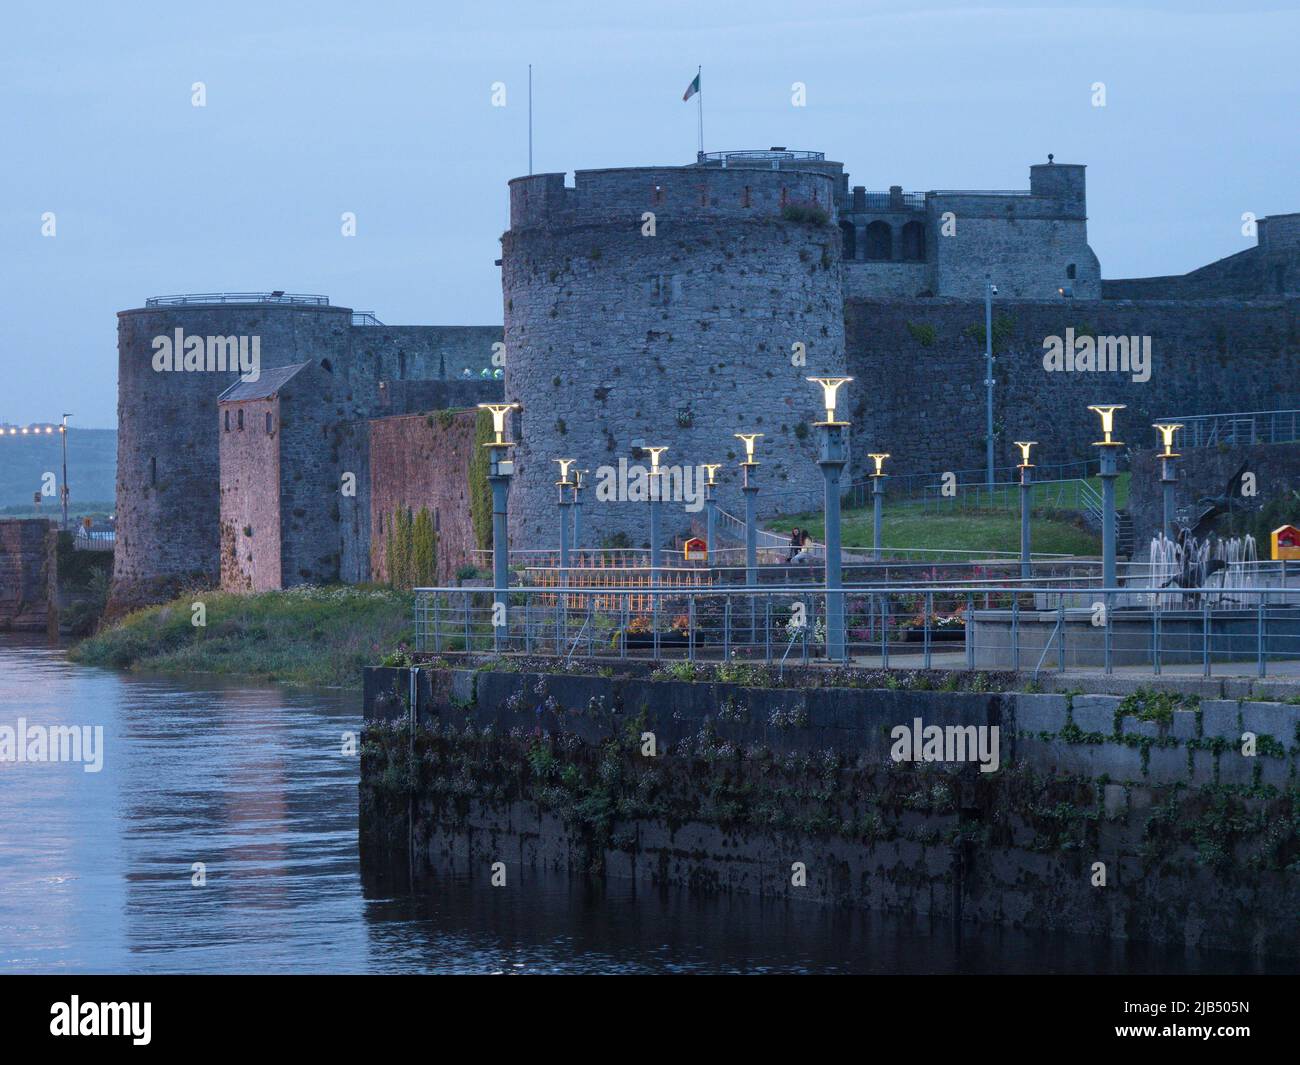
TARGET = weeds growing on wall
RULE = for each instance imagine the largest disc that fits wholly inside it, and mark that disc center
(480, 491)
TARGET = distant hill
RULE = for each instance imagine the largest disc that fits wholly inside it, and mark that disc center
(25, 459)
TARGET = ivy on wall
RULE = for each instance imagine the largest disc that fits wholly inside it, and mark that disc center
(480, 491)
(411, 550)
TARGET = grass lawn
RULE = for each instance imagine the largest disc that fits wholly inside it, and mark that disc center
(320, 636)
(910, 527)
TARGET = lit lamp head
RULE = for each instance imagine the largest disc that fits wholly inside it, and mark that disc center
(654, 453)
(710, 470)
(499, 412)
(578, 486)
(564, 481)
(1024, 446)
(830, 386)
(1107, 415)
(879, 460)
(749, 439)
(1166, 431)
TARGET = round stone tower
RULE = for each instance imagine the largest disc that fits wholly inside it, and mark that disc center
(668, 307)
(168, 498)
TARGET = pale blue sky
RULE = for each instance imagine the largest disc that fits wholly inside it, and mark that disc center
(384, 109)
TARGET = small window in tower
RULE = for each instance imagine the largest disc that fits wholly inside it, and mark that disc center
(268, 421)
(241, 418)
(227, 421)
(1070, 272)
(657, 194)
(153, 470)
(745, 198)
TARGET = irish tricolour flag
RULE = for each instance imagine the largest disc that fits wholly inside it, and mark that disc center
(692, 88)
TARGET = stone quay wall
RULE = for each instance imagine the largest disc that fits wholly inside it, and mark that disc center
(1104, 816)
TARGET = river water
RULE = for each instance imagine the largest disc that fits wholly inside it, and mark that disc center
(97, 869)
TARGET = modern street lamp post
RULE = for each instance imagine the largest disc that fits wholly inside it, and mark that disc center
(1026, 479)
(564, 485)
(500, 470)
(1109, 471)
(877, 501)
(1168, 474)
(832, 458)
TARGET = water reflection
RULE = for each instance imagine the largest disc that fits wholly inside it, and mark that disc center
(96, 868)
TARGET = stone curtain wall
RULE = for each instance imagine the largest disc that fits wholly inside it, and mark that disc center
(28, 573)
(547, 770)
(168, 496)
(423, 352)
(250, 496)
(919, 370)
(422, 460)
(1203, 472)
(312, 405)
(680, 339)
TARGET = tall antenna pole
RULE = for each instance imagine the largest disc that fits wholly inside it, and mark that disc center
(530, 118)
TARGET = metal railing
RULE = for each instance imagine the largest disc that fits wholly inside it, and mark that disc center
(1200, 631)
(1239, 427)
(884, 201)
(95, 540)
(758, 155)
(237, 297)
(365, 318)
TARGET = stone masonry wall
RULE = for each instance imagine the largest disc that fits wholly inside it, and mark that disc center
(250, 495)
(1197, 841)
(28, 573)
(422, 460)
(168, 494)
(919, 369)
(680, 339)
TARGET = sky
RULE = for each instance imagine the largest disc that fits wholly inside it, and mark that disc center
(386, 110)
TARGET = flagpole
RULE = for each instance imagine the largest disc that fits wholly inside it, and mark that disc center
(530, 118)
(699, 71)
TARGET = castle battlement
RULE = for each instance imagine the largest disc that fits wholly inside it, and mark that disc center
(736, 192)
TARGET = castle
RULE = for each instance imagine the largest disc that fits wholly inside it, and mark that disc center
(674, 307)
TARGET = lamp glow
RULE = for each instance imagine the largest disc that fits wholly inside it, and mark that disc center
(830, 386)
(1107, 415)
(499, 412)
(1024, 446)
(749, 439)
(1166, 431)
(564, 481)
(879, 460)
(655, 452)
(711, 468)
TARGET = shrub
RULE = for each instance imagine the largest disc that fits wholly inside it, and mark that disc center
(811, 213)
(923, 333)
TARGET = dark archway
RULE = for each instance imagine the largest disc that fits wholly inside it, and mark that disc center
(849, 237)
(880, 242)
(914, 241)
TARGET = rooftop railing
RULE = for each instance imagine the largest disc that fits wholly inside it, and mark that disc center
(238, 297)
(758, 155)
(365, 318)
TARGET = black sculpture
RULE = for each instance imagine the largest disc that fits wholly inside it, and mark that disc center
(1212, 507)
